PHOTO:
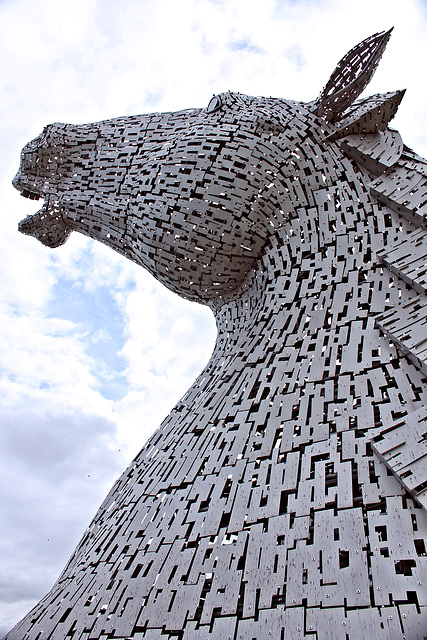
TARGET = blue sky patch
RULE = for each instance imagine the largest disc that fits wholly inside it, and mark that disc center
(100, 323)
(244, 45)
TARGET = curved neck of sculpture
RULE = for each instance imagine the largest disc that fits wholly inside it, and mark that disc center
(302, 290)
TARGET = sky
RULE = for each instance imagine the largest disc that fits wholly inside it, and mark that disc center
(95, 352)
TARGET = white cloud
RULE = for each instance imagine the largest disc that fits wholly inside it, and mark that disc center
(59, 465)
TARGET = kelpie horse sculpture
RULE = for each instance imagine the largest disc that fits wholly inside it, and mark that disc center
(283, 496)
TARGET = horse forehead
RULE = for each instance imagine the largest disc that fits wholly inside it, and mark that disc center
(236, 109)
(160, 136)
(238, 112)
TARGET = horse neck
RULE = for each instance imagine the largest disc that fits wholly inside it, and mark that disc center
(301, 326)
(308, 285)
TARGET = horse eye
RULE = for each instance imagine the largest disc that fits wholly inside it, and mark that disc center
(214, 104)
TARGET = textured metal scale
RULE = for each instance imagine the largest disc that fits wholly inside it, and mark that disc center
(283, 496)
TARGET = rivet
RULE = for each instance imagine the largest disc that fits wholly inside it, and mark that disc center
(298, 628)
(310, 627)
(358, 591)
(419, 583)
(390, 617)
(343, 624)
(327, 595)
(404, 615)
(378, 588)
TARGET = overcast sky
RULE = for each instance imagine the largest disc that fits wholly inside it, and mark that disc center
(94, 352)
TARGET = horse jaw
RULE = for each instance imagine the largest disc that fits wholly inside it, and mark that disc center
(47, 225)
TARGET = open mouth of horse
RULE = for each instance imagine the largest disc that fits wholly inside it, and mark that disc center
(47, 224)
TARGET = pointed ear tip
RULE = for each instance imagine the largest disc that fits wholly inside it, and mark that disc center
(383, 37)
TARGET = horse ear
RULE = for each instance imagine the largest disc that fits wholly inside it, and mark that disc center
(351, 76)
(369, 115)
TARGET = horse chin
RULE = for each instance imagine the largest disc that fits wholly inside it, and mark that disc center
(47, 226)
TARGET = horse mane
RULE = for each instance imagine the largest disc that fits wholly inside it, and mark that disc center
(396, 178)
